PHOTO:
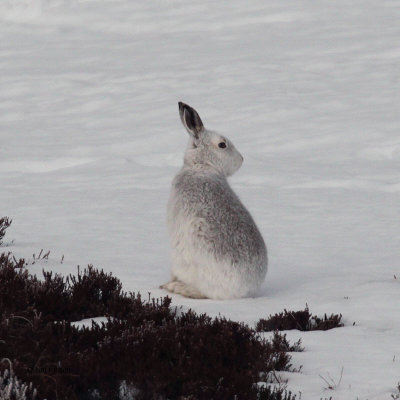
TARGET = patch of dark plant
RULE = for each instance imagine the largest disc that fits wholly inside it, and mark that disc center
(301, 320)
(90, 293)
(5, 222)
(281, 343)
(148, 346)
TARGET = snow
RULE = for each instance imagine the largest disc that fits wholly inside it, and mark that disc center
(88, 322)
(308, 92)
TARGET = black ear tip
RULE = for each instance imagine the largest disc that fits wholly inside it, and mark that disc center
(183, 106)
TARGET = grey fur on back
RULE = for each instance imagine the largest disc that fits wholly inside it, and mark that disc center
(217, 249)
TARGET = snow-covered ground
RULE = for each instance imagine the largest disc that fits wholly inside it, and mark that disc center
(309, 93)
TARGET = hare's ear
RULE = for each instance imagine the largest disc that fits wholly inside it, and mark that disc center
(191, 120)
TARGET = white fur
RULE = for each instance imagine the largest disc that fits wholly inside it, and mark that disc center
(217, 250)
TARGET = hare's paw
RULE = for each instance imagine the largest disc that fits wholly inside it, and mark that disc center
(183, 289)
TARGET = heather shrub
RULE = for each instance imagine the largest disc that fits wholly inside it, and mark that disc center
(5, 222)
(90, 293)
(154, 350)
(301, 320)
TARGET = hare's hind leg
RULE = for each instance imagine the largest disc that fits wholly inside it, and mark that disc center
(183, 289)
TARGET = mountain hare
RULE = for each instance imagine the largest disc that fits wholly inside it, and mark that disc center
(217, 250)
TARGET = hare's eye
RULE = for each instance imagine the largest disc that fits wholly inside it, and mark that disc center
(222, 145)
